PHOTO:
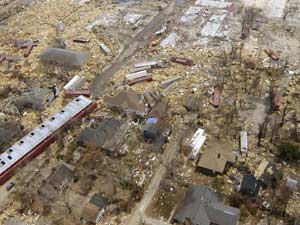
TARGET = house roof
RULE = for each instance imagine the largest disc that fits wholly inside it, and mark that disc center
(61, 175)
(8, 131)
(216, 156)
(93, 207)
(267, 172)
(64, 57)
(35, 99)
(129, 101)
(109, 135)
(202, 206)
(99, 200)
(249, 183)
(90, 212)
(223, 214)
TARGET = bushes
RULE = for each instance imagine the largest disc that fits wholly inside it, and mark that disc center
(289, 151)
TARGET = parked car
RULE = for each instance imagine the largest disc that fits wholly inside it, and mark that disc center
(10, 186)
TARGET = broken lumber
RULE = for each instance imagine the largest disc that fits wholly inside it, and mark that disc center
(139, 80)
(166, 83)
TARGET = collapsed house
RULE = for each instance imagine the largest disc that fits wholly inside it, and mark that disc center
(37, 98)
(216, 158)
(152, 133)
(109, 135)
(8, 131)
(94, 209)
(128, 101)
(192, 146)
(202, 206)
(57, 182)
(267, 173)
(64, 57)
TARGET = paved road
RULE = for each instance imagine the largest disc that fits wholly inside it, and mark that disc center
(137, 43)
(138, 213)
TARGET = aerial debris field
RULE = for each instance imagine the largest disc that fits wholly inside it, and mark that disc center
(131, 112)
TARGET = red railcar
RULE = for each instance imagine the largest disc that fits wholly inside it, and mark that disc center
(183, 61)
(217, 96)
(34, 143)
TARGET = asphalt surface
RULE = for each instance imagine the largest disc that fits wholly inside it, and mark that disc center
(138, 213)
(137, 43)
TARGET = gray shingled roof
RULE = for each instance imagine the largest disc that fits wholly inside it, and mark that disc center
(64, 57)
(203, 207)
(109, 135)
(223, 214)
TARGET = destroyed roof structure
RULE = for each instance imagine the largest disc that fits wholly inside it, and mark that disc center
(267, 173)
(109, 135)
(249, 186)
(215, 158)
(128, 101)
(202, 206)
(192, 145)
(94, 209)
(8, 131)
(64, 57)
(57, 182)
(37, 99)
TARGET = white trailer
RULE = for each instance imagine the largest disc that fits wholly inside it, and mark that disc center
(197, 142)
(243, 142)
(136, 75)
(75, 83)
(105, 49)
(152, 64)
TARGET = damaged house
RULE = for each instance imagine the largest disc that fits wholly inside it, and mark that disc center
(109, 135)
(94, 209)
(152, 133)
(37, 98)
(57, 182)
(8, 131)
(129, 102)
(267, 173)
(64, 57)
(250, 185)
(202, 206)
